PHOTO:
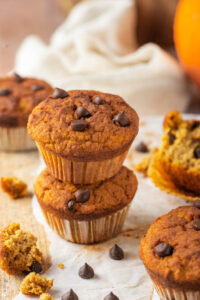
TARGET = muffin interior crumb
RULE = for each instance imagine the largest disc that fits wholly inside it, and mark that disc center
(35, 284)
(13, 186)
(18, 250)
(46, 296)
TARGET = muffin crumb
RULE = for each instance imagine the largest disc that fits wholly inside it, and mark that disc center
(46, 296)
(35, 284)
(18, 251)
(144, 164)
(61, 266)
(13, 186)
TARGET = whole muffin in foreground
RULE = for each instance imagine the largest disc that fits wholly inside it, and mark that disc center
(179, 155)
(170, 251)
(18, 96)
(84, 136)
(86, 213)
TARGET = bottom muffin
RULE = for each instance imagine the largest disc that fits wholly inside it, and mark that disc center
(170, 252)
(88, 213)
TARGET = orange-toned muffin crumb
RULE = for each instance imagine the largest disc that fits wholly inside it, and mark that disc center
(18, 251)
(144, 164)
(46, 296)
(101, 199)
(176, 264)
(35, 284)
(102, 132)
(13, 186)
(179, 155)
(61, 266)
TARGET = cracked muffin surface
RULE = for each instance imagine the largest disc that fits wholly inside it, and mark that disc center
(18, 250)
(105, 197)
(51, 124)
(180, 230)
(18, 96)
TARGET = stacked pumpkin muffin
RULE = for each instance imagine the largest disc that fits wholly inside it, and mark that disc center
(84, 137)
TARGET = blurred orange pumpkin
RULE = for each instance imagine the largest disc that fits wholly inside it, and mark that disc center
(187, 36)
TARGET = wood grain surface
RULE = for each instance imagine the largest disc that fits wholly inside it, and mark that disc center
(24, 166)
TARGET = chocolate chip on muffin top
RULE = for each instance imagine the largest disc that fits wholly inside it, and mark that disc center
(84, 124)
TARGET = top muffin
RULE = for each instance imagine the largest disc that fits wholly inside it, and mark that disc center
(84, 124)
(171, 248)
(18, 96)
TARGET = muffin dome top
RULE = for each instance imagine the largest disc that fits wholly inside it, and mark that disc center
(85, 202)
(84, 124)
(171, 248)
(18, 97)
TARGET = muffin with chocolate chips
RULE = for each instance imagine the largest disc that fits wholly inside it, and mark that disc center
(176, 166)
(86, 213)
(18, 96)
(84, 136)
(170, 253)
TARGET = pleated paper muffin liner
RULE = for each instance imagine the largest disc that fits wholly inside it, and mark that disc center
(174, 294)
(15, 139)
(81, 172)
(87, 232)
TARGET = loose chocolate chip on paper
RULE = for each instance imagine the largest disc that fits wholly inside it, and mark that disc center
(59, 93)
(171, 137)
(86, 272)
(142, 147)
(98, 100)
(82, 112)
(70, 204)
(116, 253)
(164, 249)
(82, 195)
(196, 203)
(121, 119)
(17, 77)
(5, 92)
(36, 267)
(71, 295)
(196, 224)
(111, 296)
(37, 87)
(79, 125)
(197, 152)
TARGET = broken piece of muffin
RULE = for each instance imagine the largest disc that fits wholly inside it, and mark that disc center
(35, 284)
(14, 187)
(46, 296)
(18, 251)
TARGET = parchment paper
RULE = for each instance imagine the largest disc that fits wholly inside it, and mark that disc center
(126, 278)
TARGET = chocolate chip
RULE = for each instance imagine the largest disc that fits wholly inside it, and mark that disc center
(142, 147)
(171, 137)
(79, 125)
(111, 296)
(59, 93)
(17, 77)
(195, 125)
(196, 203)
(98, 100)
(82, 195)
(86, 272)
(82, 112)
(70, 204)
(116, 252)
(196, 224)
(197, 152)
(5, 92)
(36, 267)
(37, 87)
(121, 119)
(164, 249)
(70, 296)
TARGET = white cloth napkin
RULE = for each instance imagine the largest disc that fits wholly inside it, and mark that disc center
(95, 48)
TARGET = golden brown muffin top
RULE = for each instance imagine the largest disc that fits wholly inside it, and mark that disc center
(178, 264)
(85, 202)
(18, 97)
(103, 133)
